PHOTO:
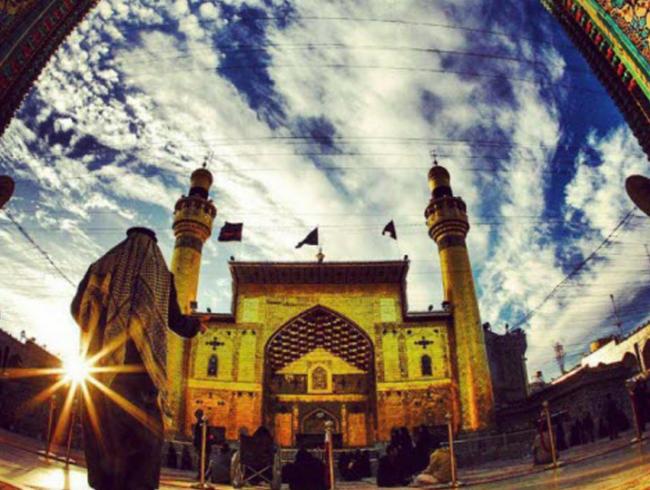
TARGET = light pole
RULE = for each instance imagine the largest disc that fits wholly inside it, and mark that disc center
(452, 455)
(204, 440)
(551, 436)
(630, 385)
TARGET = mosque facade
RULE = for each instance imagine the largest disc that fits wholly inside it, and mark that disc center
(310, 342)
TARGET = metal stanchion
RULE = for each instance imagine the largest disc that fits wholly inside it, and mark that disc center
(50, 426)
(73, 415)
(204, 439)
(452, 455)
(329, 448)
(629, 384)
(551, 436)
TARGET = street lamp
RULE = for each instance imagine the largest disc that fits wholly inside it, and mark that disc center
(638, 188)
(630, 384)
(6, 189)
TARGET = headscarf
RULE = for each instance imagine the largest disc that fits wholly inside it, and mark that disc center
(126, 296)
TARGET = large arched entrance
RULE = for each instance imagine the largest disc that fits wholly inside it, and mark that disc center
(319, 366)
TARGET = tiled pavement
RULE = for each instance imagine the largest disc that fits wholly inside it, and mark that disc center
(614, 464)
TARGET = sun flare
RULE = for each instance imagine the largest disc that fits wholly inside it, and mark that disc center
(77, 369)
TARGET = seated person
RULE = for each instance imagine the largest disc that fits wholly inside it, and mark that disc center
(350, 466)
(305, 473)
(389, 472)
(439, 469)
(220, 464)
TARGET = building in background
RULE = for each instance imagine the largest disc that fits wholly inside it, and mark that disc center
(609, 364)
(311, 342)
(614, 37)
(507, 357)
(17, 412)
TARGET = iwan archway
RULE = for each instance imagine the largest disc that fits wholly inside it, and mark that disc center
(319, 366)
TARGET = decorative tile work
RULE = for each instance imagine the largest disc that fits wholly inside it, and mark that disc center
(30, 32)
(319, 327)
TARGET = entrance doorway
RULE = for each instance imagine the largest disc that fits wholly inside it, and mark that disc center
(319, 367)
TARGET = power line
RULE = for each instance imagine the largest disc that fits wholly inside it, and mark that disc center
(414, 69)
(39, 248)
(147, 59)
(575, 270)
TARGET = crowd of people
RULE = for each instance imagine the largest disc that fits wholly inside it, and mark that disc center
(583, 429)
(422, 462)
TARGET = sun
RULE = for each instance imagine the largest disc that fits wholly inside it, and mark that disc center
(76, 369)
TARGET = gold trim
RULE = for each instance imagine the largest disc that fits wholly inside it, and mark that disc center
(322, 398)
(223, 385)
(413, 385)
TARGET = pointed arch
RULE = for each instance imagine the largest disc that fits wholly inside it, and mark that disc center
(425, 365)
(320, 327)
(320, 415)
(213, 366)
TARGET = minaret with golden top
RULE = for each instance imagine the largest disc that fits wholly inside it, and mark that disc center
(448, 225)
(193, 217)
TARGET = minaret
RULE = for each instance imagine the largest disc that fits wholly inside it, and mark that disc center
(193, 216)
(448, 226)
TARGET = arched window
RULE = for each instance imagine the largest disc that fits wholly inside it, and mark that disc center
(425, 365)
(319, 379)
(213, 365)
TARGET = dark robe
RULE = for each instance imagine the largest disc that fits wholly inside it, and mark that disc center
(220, 466)
(172, 457)
(560, 436)
(389, 472)
(127, 455)
(305, 473)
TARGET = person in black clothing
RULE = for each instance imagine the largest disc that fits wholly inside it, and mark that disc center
(220, 464)
(186, 458)
(611, 416)
(587, 427)
(423, 448)
(350, 465)
(305, 473)
(559, 435)
(364, 466)
(172, 457)
(640, 400)
(389, 471)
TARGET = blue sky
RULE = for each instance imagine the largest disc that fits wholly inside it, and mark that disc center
(324, 114)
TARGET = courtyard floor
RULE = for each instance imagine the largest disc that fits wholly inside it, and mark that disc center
(602, 465)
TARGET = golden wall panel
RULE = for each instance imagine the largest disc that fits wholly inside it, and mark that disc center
(202, 352)
(284, 429)
(247, 358)
(390, 353)
(356, 430)
(417, 345)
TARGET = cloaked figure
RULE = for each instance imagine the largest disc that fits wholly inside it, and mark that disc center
(125, 305)
(305, 473)
(390, 472)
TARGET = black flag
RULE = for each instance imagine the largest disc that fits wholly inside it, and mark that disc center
(390, 229)
(311, 239)
(231, 232)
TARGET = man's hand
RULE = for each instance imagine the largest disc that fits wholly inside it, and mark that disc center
(203, 323)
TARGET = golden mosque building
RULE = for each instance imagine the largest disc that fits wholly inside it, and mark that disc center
(310, 342)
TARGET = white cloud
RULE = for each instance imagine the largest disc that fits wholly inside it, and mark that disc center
(380, 92)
